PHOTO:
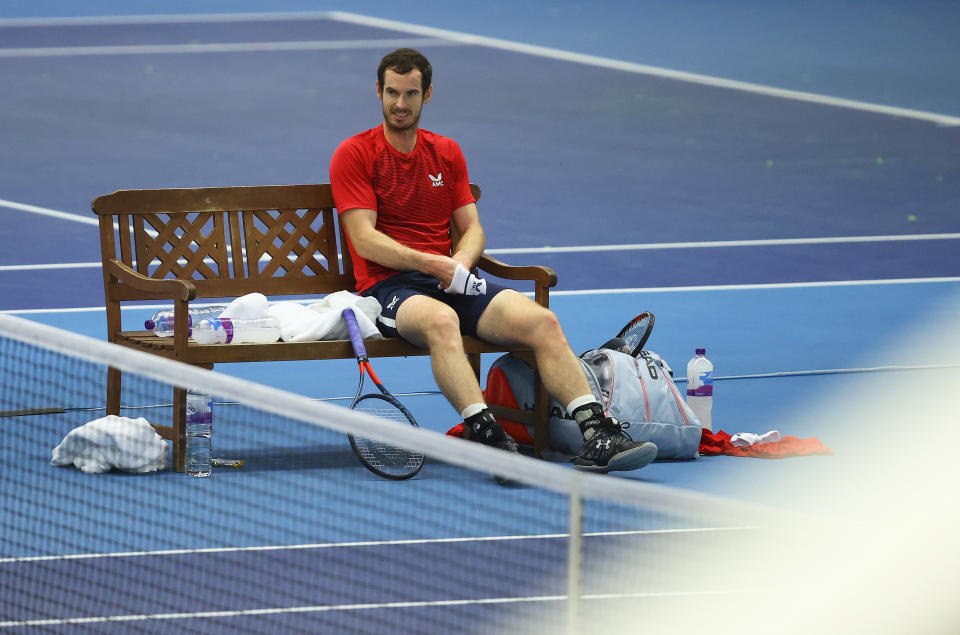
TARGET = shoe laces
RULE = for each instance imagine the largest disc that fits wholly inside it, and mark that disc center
(611, 425)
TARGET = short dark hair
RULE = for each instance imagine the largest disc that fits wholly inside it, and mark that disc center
(403, 61)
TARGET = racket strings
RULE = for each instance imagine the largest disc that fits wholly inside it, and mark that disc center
(386, 458)
(636, 332)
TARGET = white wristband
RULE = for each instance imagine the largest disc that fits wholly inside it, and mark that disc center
(465, 283)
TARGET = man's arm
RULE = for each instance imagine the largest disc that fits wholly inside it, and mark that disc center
(466, 220)
(372, 244)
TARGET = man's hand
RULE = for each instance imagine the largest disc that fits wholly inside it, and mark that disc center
(465, 283)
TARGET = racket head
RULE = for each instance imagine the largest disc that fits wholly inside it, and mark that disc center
(381, 458)
(637, 331)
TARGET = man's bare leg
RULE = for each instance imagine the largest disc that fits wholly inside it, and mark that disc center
(435, 326)
(513, 318)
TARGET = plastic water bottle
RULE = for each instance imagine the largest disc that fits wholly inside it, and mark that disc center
(263, 330)
(162, 321)
(700, 387)
(199, 432)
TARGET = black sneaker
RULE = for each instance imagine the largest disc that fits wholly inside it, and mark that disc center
(607, 448)
(488, 431)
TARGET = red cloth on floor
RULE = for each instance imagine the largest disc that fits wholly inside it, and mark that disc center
(718, 442)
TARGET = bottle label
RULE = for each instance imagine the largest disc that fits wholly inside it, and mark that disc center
(227, 328)
(199, 409)
(705, 389)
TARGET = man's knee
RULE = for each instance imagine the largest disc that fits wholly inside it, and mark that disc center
(429, 322)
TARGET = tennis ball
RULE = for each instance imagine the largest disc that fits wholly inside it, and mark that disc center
(148, 69)
(939, 178)
(911, 218)
(769, 163)
(879, 160)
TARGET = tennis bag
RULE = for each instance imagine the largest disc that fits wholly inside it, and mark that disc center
(637, 390)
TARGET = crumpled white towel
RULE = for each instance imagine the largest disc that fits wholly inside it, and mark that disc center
(322, 320)
(743, 439)
(247, 307)
(131, 445)
(307, 323)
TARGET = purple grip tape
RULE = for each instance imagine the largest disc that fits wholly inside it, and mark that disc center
(356, 338)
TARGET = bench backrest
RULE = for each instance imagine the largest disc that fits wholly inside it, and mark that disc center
(229, 241)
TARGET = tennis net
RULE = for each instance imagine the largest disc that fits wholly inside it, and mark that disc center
(301, 537)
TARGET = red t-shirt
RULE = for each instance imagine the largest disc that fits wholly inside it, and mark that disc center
(414, 194)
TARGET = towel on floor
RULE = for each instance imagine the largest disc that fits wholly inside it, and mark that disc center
(131, 445)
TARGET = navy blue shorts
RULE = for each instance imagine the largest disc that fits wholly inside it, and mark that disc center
(394, 290)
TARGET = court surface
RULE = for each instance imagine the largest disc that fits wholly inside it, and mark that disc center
(786, 233)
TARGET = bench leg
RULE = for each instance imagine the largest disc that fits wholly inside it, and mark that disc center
(541, 409)
(474, 359)
(114, 382)
(179, 436)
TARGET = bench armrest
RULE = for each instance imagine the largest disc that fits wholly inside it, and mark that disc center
(175, 289)
(542, 277)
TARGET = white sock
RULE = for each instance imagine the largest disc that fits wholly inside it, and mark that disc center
(472, 409)
(582, 400)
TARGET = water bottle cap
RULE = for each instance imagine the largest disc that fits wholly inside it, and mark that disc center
(149, 324)
(701, 351)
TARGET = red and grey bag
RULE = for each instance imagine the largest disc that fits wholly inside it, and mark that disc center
(635, 390)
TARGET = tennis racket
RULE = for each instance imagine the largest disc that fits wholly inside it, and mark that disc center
(636, 332)
(381, 459)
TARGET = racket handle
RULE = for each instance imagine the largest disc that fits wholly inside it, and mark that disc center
(356, 337)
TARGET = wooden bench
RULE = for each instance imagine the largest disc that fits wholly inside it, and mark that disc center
(182, 245)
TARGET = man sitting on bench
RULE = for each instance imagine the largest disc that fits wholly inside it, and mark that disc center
(397, 189)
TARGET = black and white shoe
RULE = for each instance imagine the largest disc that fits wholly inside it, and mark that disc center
(488, 431)
(606, 447)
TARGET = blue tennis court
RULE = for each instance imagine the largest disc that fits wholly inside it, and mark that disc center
(793, 235)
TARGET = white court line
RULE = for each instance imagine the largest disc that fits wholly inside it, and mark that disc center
(173, 18)
(743, 287)
(353, 607)
(724, 243)
(222, 47)
(518, 47)
(728, 287)
(23, 207)
(644, 69)
(367, 543)
(57, 265)
(363, 607)
(536, 250)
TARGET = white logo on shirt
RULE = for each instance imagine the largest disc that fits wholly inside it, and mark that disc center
(437, 180)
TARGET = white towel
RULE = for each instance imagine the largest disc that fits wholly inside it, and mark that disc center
(307, 323)
(322, 320)
(247, 307)
(743, 439)
(131, 445)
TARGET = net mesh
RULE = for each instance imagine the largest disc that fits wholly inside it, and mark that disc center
(301, 537)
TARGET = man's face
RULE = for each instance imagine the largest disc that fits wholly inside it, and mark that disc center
(402, 98)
